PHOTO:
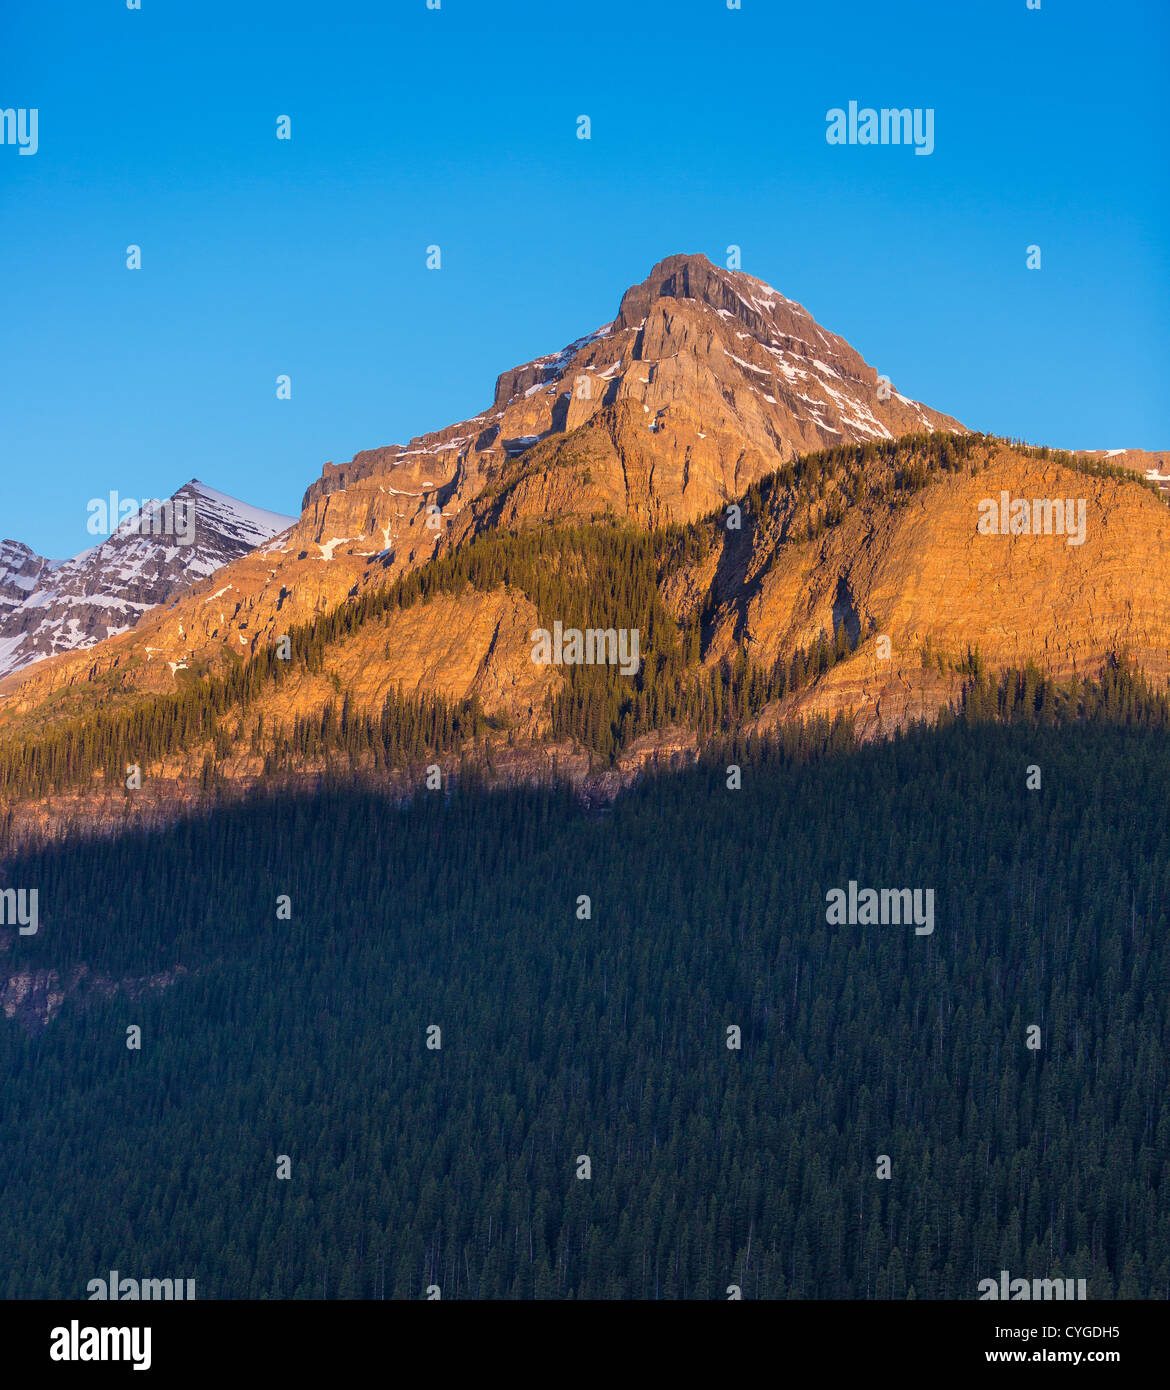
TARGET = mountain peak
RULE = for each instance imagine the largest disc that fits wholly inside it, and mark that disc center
(693, 276)
(47, 608)
(706, 379)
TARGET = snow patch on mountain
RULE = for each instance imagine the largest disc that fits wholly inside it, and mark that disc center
(47, 607)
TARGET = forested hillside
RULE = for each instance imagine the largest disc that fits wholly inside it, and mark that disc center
(689, 590)
(607, 1037)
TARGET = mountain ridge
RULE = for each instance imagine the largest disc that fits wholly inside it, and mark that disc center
(855, 582)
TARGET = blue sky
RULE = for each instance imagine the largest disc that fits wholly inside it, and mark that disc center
(458, 127)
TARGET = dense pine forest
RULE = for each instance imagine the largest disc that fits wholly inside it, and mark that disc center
(564, 1036)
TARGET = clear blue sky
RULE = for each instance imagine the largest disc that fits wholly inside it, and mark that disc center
(458, 127)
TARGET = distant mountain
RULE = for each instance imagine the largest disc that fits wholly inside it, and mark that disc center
(47, 607)
(21, 572)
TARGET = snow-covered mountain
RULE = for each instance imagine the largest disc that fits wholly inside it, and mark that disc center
(21, 571)
(48, 607)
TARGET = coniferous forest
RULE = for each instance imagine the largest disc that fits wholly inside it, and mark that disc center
(600, 1032)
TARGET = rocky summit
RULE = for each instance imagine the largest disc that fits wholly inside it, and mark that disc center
(704, 381)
